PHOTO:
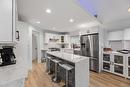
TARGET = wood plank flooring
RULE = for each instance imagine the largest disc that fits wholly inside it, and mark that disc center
(39, 78)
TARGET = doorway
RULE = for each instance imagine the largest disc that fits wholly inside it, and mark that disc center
(35, 47)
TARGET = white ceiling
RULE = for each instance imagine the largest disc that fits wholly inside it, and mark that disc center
(32, 11)
(112, 13)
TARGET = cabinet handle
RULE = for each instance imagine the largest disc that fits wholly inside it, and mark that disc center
(18, 37)
(111, 63)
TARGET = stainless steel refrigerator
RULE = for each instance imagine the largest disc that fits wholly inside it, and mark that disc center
(90, 48)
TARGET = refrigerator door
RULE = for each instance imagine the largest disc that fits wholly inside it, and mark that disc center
(83, 45)
(94, 59)
(95, 40)
(88, 46)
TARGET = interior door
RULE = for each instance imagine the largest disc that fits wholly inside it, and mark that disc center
(34, 47)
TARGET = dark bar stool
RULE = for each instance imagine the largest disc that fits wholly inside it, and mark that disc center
(56, 61)
(67, 68)
(48, 64)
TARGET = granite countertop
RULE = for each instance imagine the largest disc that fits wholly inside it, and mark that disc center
(13, 72)
(78, 49)
(114, 52)
(68, 56)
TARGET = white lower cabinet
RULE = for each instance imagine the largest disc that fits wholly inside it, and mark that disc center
(128, 66)
(116, 64)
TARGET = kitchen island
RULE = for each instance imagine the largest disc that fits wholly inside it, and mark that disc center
(81, 66)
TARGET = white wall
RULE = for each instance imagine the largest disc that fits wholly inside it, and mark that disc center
(74, 33)
(39, 44)
(14, 75)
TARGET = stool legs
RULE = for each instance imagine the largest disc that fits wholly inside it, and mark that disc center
(48, 66)
(67, 78)
(56, 66)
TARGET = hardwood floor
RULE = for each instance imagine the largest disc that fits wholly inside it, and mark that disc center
(107, 80)
(39, 78)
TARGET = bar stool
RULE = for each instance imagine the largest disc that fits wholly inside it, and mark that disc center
(48, 64)
(56, 61)
(67, 68)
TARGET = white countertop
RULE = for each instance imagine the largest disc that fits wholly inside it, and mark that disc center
(78, 49)
(13, 72)
(68, 57)
(114, 52)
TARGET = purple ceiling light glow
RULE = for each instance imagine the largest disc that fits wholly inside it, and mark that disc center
(88, 6)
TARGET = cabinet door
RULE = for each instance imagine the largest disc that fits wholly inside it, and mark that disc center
(6, 23)
(129, 61)
(106, 57)
(119, 64)
(129, 72)
(118, 59)
(106, 66)
(107, 62)
(116, 35)
(127, 34)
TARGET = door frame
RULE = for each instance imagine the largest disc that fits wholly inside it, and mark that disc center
(31, 30)
(38, 45)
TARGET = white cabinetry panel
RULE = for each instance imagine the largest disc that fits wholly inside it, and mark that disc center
(116, 35)
(6, 26)
(127, 34)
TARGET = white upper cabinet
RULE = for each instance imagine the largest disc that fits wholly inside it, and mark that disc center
(7, 21)
(127, 34)
(66, 38)
(115, 35)
(119, 35)
(50, 37)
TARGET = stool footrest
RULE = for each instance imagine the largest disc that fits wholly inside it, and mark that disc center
(66, 66)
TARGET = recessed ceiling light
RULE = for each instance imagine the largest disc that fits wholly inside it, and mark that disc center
(38, 22)
(71, 20)
(129, 9)
(48, 10)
